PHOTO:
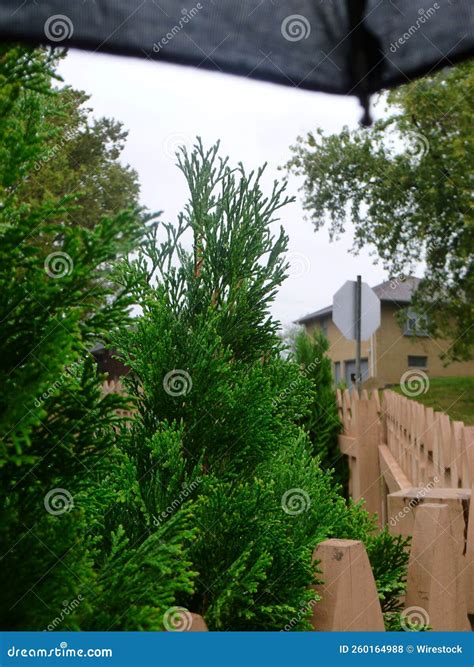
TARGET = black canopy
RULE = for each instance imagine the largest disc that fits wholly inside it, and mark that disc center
(338, 46)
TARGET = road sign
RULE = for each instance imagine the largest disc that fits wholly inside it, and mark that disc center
(344, 309)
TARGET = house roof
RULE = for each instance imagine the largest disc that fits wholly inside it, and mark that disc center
(396, 291)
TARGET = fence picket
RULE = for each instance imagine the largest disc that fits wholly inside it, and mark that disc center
(436, 580)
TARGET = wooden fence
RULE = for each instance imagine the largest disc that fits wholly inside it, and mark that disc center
(415, 468)
(112, 387)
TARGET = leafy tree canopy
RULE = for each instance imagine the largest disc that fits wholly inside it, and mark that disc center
(406, 184)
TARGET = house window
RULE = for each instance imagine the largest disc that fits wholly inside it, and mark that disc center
(324, 327)
(418, 362)
(414, 324)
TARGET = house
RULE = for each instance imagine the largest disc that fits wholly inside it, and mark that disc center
(393, 349)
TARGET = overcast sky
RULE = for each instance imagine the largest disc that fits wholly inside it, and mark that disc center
(164, 106)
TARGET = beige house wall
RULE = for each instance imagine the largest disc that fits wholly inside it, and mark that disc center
(388, 349)
(340, 348)
(392, 349)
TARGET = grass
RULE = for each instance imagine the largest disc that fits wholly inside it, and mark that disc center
(455, 396)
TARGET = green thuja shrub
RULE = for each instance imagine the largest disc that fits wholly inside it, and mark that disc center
(79, 549)
(322, 422)
(218, 413)
(389, 559)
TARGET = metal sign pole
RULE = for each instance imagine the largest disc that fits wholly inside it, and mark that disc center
(358, 317)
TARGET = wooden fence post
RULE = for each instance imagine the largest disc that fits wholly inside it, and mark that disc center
(349, 600)
(402, 506)
(436, 580)
(198, 624)
(367, 431)
(470, 556)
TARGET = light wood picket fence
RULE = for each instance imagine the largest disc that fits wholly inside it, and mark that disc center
(112, 387)
(415, 468)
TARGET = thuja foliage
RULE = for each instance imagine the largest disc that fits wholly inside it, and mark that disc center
(217, 426)
(78, 549)
(195, 502)
(322, 422)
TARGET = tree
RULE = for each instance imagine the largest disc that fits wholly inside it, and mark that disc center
(218, 411)
(322, 423)
(75, 537)
(46, 276)
(406, 184)
(81, 155)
